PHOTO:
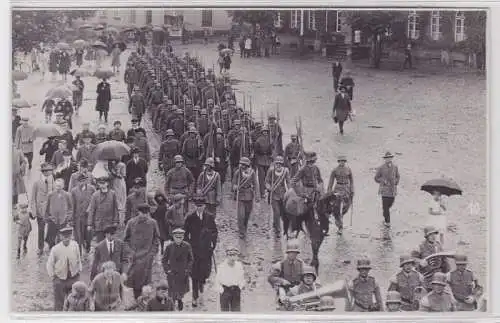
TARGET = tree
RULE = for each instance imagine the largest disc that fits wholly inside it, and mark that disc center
(475, 29)
(32, 27)
(374, 24)
(264, 18)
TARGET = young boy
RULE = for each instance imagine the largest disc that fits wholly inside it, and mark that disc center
(22, 219)
(117, 133)
(143, 300)
(161, 302)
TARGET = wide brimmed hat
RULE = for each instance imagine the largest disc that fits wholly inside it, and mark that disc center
(342, 158)
(178, 159)
(388, 155)
(363, 264)
(110, 229)
(245, 161)
(292, 246)
(66, 230)
(461, 260)
(46, 167)
(405, 260)
(178, 231)
(430, 230)
(439, 279)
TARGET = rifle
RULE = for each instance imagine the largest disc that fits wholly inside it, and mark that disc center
(275, 139)
(298, 125)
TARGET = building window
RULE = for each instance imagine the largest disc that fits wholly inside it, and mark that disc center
(294, 21)
(132, 16)
(278, 21)
(338, 22)
(413, 32)
(357, 36)
(312, 20)
(206, 18)
(149, 17)
(459, 26)
(435, 25)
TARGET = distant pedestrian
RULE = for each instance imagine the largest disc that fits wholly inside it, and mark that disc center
(341, 108)
(103, 99)
(162, 301)
(230, 281)
(408, 57)
(19, 165)
(387, 177)
(115, 60)
(437, 215)
(22, 219)
(48, 107)
(248, 47)
(336, 72)
(24, 139)
(79, 86)
(64, 266)
(78, 300)
(79, 56)
(64, 64)
(348, 82)
(107, 288)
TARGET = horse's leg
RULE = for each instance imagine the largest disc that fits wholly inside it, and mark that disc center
(286, 225)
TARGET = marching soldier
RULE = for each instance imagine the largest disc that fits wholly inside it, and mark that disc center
(191, 151)
(246, 189)
(429, 247)
(209, 186)
(341, 176)
(220, 153)
(288, 272)
(310, 177)
(137, 105)
(277, 182)
(308, 282)
(131, 78)
(168, 150)
(177, 123)
(393, 302)
(292, 151)
(464, 285)
(438, 300)
(263, 154)
(257, 131)
(407, 282)
(276, 135)
(179, 180)
(364, 288)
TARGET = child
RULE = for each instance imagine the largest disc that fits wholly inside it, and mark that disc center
(143, 300)
(107, 288)
(48, 106)
(437, 212)
(22, 220)
(78, 300)
(162, 302)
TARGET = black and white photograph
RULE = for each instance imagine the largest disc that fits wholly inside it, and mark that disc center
(249, 160)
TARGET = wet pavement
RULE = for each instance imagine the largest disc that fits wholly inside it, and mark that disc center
(435, 125)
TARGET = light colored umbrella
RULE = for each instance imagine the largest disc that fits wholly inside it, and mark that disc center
(47, 130)
(20, 103)
(80, 72)
(79, 43)
(19, 75)
(112, 30)
(99, 27)
(111, 150)
(62, 46)
(103, 73)
(156, 28)
(226, 51)
(59, 92)
(100, 45)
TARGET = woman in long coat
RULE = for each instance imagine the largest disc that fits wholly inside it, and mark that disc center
(103, 98)
(19, 163)
(117, 171)
(142, 237)
(64, 64)
(341, 108)
(160, 216)
(53, 62)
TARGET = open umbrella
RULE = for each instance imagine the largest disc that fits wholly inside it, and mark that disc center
(62, 46)
(20, 103)
(79, 72)
(111, 150)
(100, 45)
(86, 26)
(99, 27)
(121, 45)
(79, 43)
(103, 73)
(226, 51)
(442, 185)
(62, 91)
(69, 30)
(47, 130)
(112, 30)
(19, 75)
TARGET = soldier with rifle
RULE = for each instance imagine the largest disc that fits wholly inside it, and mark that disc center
(277, 182)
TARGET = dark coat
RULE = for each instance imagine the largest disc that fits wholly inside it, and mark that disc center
(135, 170)
(103, 96)
(202, 236)
(157, 305)
(64, 63)
(48, 149)
(336, 70)
(341, 107)
(159, 216)
(120, 256)
(66, 173)
(177, 263)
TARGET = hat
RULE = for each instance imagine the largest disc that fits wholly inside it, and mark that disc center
(178, 111)
(102, 180)
(46, 167)
(461, 260)
(192, 130)
(134, 150)
(143, 208)
(363, 264)
(393, 297)
(245, 161)
(203, 111)
(66, 230)
(293, 136)
(279, 160)
(110, 229)
(178, 197)
(178, 159)
(292, 246)
(86, 135)
(22, 205)
(101, 126)
(169, 132)
(210, 100)
(25, 119)
(210, 162)
(430, 230)
(342, 87)
(82, 178)
(308, 270)
(405, 260)
(134, 121)
(237, 122)
(162, 285)
(439, 279)
(310, 156)
(178, 231)
(232, 249)
(342, 158)
(272, 117)
(219, 131)
(66, 153)
(326, 303)
(265, 128)
(199, 199)
(388, 155)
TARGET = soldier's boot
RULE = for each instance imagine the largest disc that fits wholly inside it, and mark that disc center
(18, 253)
(25, 247)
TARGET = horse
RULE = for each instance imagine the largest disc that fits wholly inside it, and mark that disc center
(336, 204)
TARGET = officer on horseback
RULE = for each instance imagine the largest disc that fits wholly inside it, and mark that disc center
(310, 177)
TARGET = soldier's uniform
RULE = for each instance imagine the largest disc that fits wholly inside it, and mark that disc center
(179, 180)
(393, 297)
(426, 249)
(406, 283)
(363, 290)
(177, 123)
(209, 186)
(263, 154)
(277, 183)
(219, 151)
(463, 285)
(204, 123)
(310, 177)
(191, 151)
(292, 151)
(168, 150)
(342, 177)
(438, 301)
(246, 189)
(276, 135)
(256, 132)
(303, 287)
(137, 105)
(131, 78)
(287, 270)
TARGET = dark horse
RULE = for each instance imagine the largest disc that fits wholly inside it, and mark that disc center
(337, 204)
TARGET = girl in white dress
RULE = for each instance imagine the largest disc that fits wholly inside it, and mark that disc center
(437, 214)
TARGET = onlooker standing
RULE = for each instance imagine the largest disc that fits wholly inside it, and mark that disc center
(111, 249)
(387, 177)
(64, 266)
(103, 99)
(336, 72)
(81, 194)
(106, 288)
(230, 280)
(408, 57)
(40, 192)
(59, 211)
(103, 209)
(24, 140)
(23, 223)
(248, 47)
(18, 172)
(77, 93)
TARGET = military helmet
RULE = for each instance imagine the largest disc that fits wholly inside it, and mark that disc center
(364, 264)
(439, 279)
(279, 160)
(192, 130)
(461, 260)
(245, 161)
(196, 108)
(210, 101)
(210, 162)
(292, 246)
(231, 102)
(237, 122)
(203, 112)
(308, 270)
(265, 129)
(428, 230)
(169, 132)
(188, 101)
(178, 111)
(178, 159)
(393, 297)
(326, 303)
(405, 260)
(170, 101)
(219, 131)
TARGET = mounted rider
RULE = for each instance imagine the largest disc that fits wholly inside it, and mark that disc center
(310, 177)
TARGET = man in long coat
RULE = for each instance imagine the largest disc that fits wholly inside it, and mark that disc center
(103, 98)
(81, 194)
(136, 167)
(168, 150)
(142, 237)
(177, 263)
(24, 140)
(341, 108)
(137, 105)
(59, 212)
(201, 233)
(19, 164)
(111, 249)
(103, 209)
(387, 177)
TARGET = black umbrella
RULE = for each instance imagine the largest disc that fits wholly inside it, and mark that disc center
(121, 45)
(442, 185)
